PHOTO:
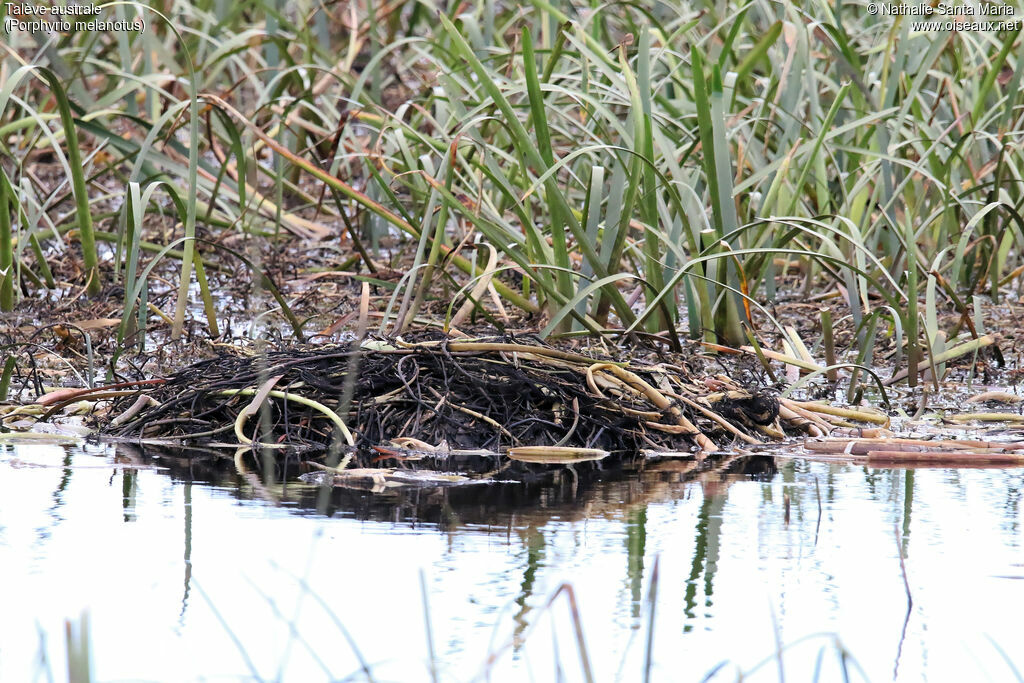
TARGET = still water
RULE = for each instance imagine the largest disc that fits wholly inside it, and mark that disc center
(188, 571)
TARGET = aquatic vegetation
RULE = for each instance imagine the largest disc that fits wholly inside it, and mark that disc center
(664, 169)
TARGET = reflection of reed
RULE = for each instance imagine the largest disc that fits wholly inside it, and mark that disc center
(129, 489)
(534, 546)
(188, 553)
(636, 544)
(705, 553)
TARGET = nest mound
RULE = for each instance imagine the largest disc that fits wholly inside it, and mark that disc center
(488, 394)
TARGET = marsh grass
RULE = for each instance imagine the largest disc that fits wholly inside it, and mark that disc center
(654, 167)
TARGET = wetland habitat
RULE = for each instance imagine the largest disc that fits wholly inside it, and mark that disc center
(565, 340)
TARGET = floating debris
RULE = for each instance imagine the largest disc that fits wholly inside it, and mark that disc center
(38, 438)
(377, 479)
(884, 452)
(987, 417)
(556, 455)
(996, 397)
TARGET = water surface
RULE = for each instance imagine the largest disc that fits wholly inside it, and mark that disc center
(189, 571)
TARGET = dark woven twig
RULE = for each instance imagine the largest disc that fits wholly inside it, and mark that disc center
(433, 393)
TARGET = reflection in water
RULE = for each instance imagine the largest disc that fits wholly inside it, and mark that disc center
(908, 504)
(709, 527)
(54, 513)
(533, 543)
(129, 484)
(704, 560)
(187, 515)
(494, 555)
(636, 543)
(1012, 508)
(537, 501)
